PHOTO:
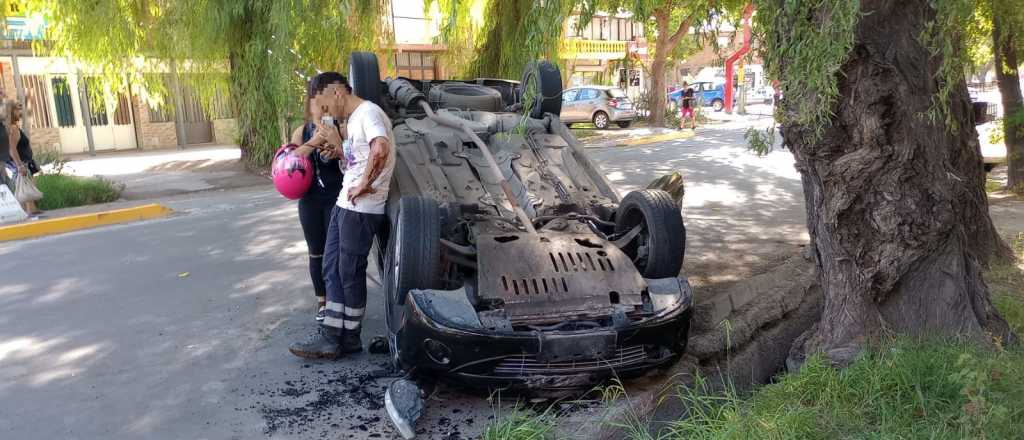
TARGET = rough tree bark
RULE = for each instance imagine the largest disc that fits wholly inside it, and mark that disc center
(896, 210)
(1004, 45)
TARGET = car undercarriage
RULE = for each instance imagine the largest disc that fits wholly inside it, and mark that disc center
(512, 262)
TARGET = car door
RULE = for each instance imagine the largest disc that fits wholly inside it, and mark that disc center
(570, 112)
(588, 102)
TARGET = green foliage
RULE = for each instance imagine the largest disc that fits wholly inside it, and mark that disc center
(496, 38)
(257, 51)
(761, 142)
(902, 389)
(804, 46)
(521, 425)
(944, 36)
(61, 191)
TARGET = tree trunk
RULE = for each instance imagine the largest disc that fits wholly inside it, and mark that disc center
(661, 50)
(1004, 47)
(896, 209)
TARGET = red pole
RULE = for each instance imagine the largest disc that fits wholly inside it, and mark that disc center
(747, 12)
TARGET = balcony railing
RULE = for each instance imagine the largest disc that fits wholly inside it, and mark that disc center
(593, 49)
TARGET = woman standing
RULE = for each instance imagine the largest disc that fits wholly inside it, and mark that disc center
(20, 148)
(320, 140)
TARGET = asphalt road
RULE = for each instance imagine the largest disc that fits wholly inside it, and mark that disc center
(178, 328)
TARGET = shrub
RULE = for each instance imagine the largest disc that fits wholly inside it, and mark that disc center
(61, 191)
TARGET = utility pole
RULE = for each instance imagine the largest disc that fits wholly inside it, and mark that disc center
(19, 87)
(83, 101)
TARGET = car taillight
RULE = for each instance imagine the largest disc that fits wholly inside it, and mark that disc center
(613, 103)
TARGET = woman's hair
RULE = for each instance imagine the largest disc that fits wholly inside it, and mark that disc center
(7, 109)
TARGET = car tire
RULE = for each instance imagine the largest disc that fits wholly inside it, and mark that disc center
(364, 76)
(658, 251)
(624, 124)
(989, 167)
(717, 104)
(600, 120)
(413, 259)
(546, 81)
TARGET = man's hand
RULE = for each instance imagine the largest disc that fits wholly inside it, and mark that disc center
(329, 153)
(360, 190)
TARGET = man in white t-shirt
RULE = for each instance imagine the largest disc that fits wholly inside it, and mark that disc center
(357, 219)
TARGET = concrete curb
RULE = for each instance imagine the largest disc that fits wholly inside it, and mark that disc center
(82, 221)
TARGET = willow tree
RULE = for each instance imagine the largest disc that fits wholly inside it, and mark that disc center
(257, 51)
(876, 112)
(497, 38)
(668, 22)
(1007, 24)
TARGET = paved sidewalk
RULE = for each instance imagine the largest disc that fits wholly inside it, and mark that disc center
(148, 174)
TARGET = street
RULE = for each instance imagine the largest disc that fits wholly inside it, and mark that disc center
(178, 328)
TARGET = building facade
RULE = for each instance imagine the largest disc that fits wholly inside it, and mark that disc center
(66, 111)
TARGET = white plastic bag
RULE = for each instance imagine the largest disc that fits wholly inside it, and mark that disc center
(25, 190)
(10, 209)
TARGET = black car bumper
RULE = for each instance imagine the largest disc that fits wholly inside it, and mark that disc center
(540, 360)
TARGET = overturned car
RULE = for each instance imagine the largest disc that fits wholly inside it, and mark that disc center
(511, 261)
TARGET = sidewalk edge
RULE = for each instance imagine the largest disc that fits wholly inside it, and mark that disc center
(61, 225)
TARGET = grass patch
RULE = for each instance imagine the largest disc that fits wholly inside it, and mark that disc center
(61, 191)
(520, 425)
(992, 186)
(902, 390)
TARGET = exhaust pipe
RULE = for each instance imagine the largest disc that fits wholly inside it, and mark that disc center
(408, 96)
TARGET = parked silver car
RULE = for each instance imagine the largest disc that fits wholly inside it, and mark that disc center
(601, 105)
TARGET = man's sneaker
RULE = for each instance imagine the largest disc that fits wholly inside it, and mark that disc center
(323, 345)
(321, 313)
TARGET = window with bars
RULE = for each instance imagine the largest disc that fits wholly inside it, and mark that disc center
(123, 111)
(62, 102)
(163, 112)
(37, 104)
(94, 99)
(416, 65)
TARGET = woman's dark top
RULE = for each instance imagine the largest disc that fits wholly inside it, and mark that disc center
(327, 175)
(5, 145)
(25, 153)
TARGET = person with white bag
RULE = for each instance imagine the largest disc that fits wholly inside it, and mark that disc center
(21, 163)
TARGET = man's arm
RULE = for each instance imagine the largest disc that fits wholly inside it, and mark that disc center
(380, 148)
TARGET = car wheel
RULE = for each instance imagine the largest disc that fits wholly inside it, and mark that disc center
(545, 82)
(364, 76)
(657, 251)
(624, 124)
(989, 167)
(568, 125)
(717, 105)
(413, 258)
(601, 120)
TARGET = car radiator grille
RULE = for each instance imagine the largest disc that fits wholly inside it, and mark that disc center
(523, 365)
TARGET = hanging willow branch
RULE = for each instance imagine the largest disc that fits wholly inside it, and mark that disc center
(253, 53)
(497, 38)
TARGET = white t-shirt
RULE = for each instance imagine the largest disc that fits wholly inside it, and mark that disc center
(366, 123)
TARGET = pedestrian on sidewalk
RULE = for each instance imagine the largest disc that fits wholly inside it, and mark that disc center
(686, 108)
(20, 150)
(319, 139)
(358, 218)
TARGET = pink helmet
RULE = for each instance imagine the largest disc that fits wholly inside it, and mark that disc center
(292, 174)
